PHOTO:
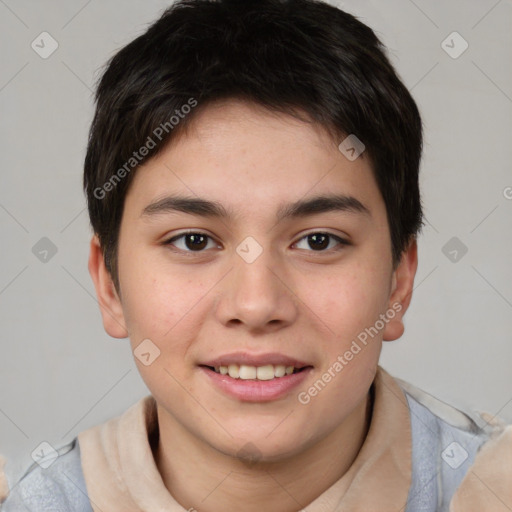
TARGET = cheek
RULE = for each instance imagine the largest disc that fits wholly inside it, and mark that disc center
(162, 305)
(159, 299)
(348, 300)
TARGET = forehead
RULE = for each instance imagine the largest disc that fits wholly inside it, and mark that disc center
(253, 161)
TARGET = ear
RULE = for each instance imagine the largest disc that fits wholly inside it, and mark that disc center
(110, 303)
(401, 291)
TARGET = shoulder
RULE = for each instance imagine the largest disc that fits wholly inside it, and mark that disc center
(448, 446)
(55, 484)
(487, 486)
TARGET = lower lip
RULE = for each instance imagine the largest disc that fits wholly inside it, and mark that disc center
(256, 390)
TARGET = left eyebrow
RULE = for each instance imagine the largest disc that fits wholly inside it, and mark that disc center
(322, 204)
(301, 208)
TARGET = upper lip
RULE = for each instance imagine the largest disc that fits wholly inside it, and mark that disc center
(245, 358)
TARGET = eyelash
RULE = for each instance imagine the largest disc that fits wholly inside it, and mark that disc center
(342, 242)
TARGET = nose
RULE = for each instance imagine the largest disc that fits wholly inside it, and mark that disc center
(257, 295)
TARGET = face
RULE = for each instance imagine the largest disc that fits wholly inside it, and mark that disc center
(251, 274)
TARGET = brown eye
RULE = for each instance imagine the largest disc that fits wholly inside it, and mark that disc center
(190, 242)
(321, 241)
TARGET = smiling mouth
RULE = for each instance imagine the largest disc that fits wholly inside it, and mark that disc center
(247, 372)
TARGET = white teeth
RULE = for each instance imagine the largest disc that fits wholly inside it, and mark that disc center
(265, 372)
(279, 370)
(246, 372)
(234, 371)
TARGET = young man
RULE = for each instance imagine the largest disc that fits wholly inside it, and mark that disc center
(252, 183)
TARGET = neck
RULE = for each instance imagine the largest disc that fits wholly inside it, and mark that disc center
(200, 477)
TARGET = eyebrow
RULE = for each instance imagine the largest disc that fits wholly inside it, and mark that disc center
(205, 208)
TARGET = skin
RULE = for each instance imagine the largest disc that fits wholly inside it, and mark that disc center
(295, 299)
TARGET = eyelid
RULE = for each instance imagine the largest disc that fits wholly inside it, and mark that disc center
(325, 232)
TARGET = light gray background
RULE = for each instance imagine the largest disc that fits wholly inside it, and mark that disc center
(60, 373)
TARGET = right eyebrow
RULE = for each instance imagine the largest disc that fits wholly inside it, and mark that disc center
(190, 205)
